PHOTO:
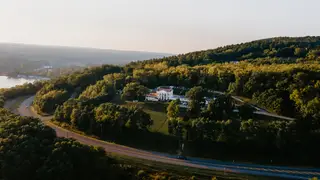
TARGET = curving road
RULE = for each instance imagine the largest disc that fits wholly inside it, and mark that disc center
(260, 170)
(258, 110)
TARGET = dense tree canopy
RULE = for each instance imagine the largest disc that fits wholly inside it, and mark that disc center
(20, 90)
(134, 91)
(71, 84)
(31, 150)
(104, 120)
(100, 90)
(241, 80)
(273, 50)
(1, 101)
(196, 96)
(278, 74)
(173, 109)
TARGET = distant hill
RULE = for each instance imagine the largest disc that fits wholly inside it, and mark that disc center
(28, 57)
(271, 50)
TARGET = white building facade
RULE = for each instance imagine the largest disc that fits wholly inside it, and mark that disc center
(152, 97)
(164, 94)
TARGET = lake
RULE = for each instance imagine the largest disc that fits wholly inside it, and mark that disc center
(7, 82)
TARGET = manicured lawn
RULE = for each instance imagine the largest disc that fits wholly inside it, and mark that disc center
(160, 123)
(157, 111)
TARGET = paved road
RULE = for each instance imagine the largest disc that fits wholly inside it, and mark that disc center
(258, 110)
(271, 171)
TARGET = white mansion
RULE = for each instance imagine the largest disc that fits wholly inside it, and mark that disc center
(161, 94)
(166, 94)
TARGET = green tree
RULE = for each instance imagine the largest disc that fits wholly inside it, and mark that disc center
(196, 96)
(1, 101)
(251, 129)
(214, 110)
(173, 109)
(48, 102)
(176, 127)
(246, 111)
(111, 117)
(134, 91)
(300, 52)
(138, 119)
(221, 108)
(81, 117)
(103, 90)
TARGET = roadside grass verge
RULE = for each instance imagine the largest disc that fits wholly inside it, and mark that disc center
(72, 129)
(13, 104)
(151, 141)
(180, 170)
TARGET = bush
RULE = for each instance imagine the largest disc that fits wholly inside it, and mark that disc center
(141, 174)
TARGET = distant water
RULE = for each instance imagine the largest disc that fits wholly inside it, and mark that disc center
(7, 82)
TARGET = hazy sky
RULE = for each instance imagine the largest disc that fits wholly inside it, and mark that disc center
(175, 26)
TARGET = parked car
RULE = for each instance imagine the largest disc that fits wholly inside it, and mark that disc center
(181, 157)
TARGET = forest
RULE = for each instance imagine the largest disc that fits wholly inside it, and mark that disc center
(278, 74)
(266, 51)
(31, 150)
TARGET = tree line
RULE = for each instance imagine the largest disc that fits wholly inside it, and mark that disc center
(32, 151)
(105, 119)
(61, 89)
(217, 131)
(272, 50)
(19, 90)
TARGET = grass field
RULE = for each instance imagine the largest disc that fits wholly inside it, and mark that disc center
(156, 110)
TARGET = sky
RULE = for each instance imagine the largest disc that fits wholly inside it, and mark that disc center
(173, 26)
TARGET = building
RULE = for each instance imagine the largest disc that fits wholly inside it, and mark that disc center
(152, 97)
(164, 94)
(160, 94)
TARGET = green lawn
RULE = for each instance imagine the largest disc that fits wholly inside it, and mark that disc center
(160, 123)
(157, 111)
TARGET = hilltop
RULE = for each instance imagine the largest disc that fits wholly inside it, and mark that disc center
(266, 51)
